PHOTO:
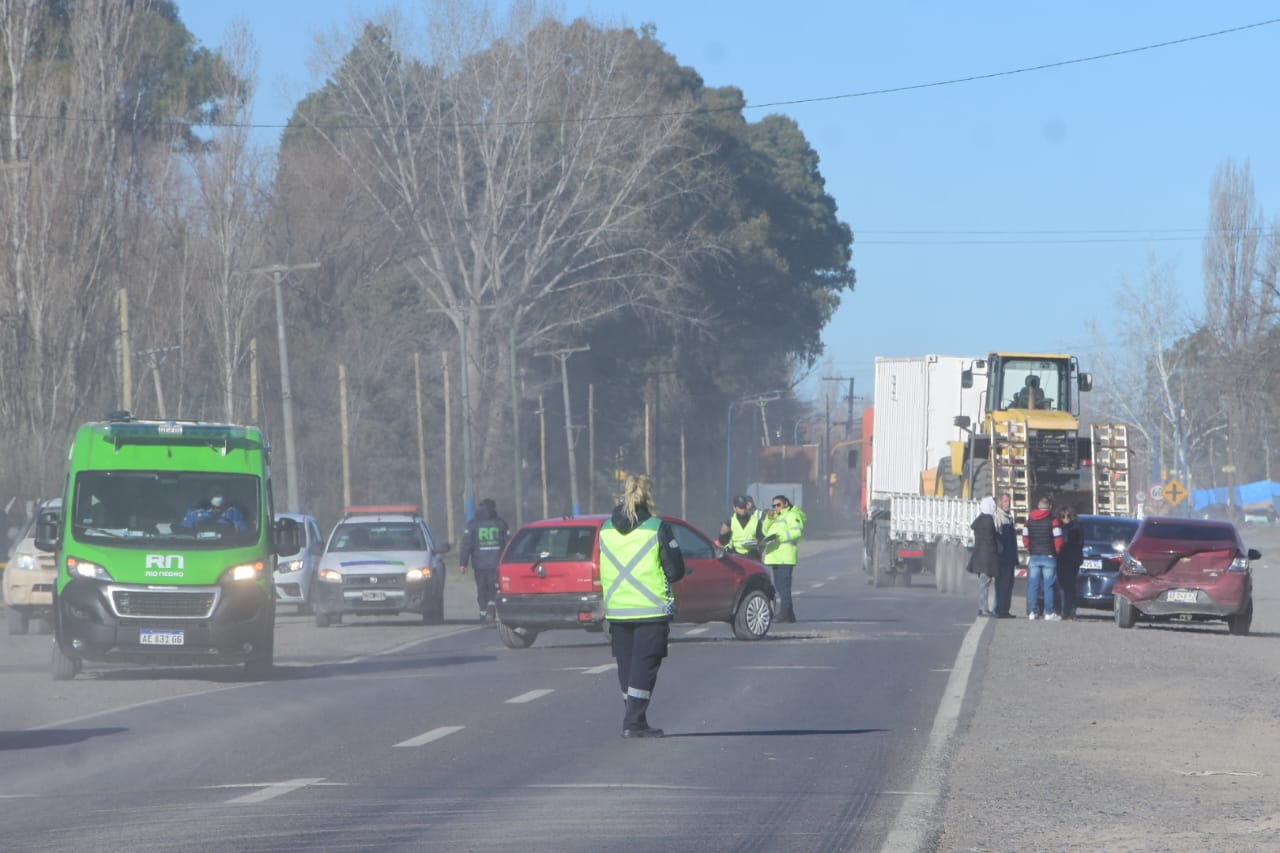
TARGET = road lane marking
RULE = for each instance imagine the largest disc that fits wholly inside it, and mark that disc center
(604, 667)
(700, 630)
(919, 808)
(428, 737)
(637, 785)
(529, 697)
(818, 585)
(784, 666)
(273, 790)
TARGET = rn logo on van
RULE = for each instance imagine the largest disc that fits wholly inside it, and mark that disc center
(164, 565)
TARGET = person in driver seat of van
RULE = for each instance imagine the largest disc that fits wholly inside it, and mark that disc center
(1029, 396)
(216, 511)
(639, 560)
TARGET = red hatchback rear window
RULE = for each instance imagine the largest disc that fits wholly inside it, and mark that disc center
(567, 542)
(1189, 532)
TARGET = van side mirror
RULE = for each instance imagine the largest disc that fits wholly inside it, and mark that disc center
(966, 379)
(48, 528)
(1085, 381)
(851, 462)
(444, 547)
(287, 536)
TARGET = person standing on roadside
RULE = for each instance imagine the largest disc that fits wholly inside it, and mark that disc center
(482, 544)
(639, 560)
(1043, 539)
(741, 533)
(985, 559)
(1070, 558)
(1007, 539)
(782, 528)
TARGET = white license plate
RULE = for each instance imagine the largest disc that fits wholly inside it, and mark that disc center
(1091, 564)
(373, 596)
(162, 638)
(1183, 596)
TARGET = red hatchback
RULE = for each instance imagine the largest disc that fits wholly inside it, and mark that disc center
(549, 577)
(1186, 569)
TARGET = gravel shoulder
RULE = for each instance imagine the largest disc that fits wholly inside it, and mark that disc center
(1082, 736)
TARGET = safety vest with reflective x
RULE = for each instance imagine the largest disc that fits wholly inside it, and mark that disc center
(631, 573)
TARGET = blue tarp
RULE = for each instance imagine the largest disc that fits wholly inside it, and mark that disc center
(1257, 495)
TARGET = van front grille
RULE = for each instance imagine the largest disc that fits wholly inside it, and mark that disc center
(164, 603)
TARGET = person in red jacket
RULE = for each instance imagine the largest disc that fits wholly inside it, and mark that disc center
(1042, 537)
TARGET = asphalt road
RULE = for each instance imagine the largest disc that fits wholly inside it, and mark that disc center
(397, 736)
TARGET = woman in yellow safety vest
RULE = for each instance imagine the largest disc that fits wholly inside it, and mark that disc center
(639, 560)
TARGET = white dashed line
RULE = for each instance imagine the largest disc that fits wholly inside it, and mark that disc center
(818, 585)
(692, 631)
(428, 737)
(604, 667)
(273, 790)
(529, 697)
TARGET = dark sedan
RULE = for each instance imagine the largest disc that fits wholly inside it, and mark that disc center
(1105, 538)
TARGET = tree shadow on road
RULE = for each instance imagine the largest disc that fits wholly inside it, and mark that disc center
(41, 738)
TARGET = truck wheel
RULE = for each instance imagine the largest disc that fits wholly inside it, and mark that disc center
(952, 483)
(902, 578)
(17, 620)
(64, 668)
(980, 481)
(880, 553)
(942, 567)
(516, 638)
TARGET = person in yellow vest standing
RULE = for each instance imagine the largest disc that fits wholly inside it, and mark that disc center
(741, 533)
(639, 560)
(782, 527)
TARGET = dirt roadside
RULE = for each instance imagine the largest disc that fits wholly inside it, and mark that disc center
(1083, 736)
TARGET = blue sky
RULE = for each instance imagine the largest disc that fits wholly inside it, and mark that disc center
(998, 214)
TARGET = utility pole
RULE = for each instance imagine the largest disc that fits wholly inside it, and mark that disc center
(562, 355)
(848, 424)
(126, 360)
(422, 436)
(277, 272)
(154, 357)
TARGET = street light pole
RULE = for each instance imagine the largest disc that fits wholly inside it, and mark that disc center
(277, 273)
(562, 355)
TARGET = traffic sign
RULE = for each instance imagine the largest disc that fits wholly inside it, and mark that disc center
(1141, 497)
(1174, 493)
(1157, 492)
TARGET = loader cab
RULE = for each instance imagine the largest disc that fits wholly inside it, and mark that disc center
(1044, 383)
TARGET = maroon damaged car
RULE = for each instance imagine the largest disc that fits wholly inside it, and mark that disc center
(1189, 570)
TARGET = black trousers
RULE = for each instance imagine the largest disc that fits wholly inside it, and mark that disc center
(1004, 588)
(1067, 575)
(639, 649)
(486, 586)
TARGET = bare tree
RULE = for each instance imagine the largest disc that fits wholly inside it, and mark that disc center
(522, 166)
(1240, 262)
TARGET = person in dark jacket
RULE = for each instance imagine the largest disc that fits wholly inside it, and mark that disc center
(1007, 539)
(1069, 559)
(482, 544)
(639, 560)
(985, 560)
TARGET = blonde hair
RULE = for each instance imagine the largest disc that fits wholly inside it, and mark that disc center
(637, 492)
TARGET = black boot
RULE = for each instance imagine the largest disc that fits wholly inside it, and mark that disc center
(635, 724)
(786, 615)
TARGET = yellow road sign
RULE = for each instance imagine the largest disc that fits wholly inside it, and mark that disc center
(1174, 493)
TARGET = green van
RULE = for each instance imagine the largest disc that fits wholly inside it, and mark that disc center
(165, 546)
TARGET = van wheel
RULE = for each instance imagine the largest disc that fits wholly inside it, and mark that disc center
(754, 616)
(64, 668)
(1240, 623)
(1126, 614)
(17, 620)
(322, 619)
(516, 638)
(261, 666)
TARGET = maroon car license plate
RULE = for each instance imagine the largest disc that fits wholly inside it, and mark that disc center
(1182, 596)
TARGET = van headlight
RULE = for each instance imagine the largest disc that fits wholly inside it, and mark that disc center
(78, 568)
(289, 566)
(331, 576)
(246, 572)
(421, 574)
(26, 562)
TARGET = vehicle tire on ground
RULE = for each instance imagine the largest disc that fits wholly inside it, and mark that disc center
(17, 620)
(942, 567)
(261, 666)
(64, 668)
(1126, 614)
(42, 625)
(753, 617)
(516, 638)
(305, 608)
(902, 579)
(980, 482)
(880, 553)
(323, 619)
(1240, 623)
(433, 610)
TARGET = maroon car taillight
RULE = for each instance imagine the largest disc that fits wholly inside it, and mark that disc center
(1239, 564)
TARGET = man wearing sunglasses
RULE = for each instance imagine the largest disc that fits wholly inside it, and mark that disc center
(782, 528)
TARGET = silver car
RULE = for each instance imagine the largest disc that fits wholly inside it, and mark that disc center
(296, 573)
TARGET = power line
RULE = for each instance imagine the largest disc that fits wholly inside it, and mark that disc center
(866, 93)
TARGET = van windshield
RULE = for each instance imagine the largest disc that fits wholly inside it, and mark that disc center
(117, 507)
